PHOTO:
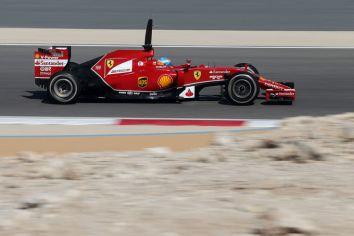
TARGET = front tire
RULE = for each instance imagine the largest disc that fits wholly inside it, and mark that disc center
(251, 68)
(242, 89)
(64, 88)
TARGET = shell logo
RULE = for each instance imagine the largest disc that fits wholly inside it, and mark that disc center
(165, 81)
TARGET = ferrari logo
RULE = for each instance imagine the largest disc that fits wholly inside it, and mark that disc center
(110, 63)
(142, 82)
(197, 74)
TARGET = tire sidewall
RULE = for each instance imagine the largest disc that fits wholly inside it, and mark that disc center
(74, 82)
(254, 89)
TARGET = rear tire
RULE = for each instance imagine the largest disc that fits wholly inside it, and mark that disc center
(64, 88)
(242, 89)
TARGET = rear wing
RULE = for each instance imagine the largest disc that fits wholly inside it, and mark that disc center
(49, 61)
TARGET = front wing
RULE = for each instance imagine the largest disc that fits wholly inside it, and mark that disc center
(277, 91)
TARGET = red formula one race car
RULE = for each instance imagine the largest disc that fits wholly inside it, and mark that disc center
(136, 74)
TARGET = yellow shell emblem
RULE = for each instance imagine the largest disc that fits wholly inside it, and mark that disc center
(110, 63)
(165, 81)
(197, 74)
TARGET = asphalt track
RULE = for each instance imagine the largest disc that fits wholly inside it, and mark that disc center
(180, 14)
(324, 80)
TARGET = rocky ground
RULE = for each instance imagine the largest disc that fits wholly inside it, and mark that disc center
(295, 180)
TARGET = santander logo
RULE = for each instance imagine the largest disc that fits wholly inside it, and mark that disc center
(189, 93)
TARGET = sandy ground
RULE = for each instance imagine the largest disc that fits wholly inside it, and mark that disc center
(102, 138)
(180, 142)
(296, 180)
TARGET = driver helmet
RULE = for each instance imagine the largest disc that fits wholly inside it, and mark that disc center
(165, 61)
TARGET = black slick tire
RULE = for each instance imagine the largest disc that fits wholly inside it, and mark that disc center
(242, 89)
(64, 88)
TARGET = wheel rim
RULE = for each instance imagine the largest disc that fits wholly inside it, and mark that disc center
(242, 88)
(63, 88)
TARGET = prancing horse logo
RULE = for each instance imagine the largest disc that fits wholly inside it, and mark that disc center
(110, 63)
(197, 74)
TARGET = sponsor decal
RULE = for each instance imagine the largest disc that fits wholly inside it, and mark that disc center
(188, 92)
(51, 63)
(57, 54)
(140, 63)
(285, 94)
(142, 82)
(37, 56)
(130, 93)
(271, 84)
(98, 67)
(165, 81)
(219, 72)
(197, 74)
(124, 67)
(50, 57)
(109, 63)
(45, 68)
(216, 77)
(44, 71)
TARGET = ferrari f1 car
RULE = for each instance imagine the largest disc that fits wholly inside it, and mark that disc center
(136, 74)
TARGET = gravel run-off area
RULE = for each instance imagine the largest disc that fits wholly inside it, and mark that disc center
(294, 180)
